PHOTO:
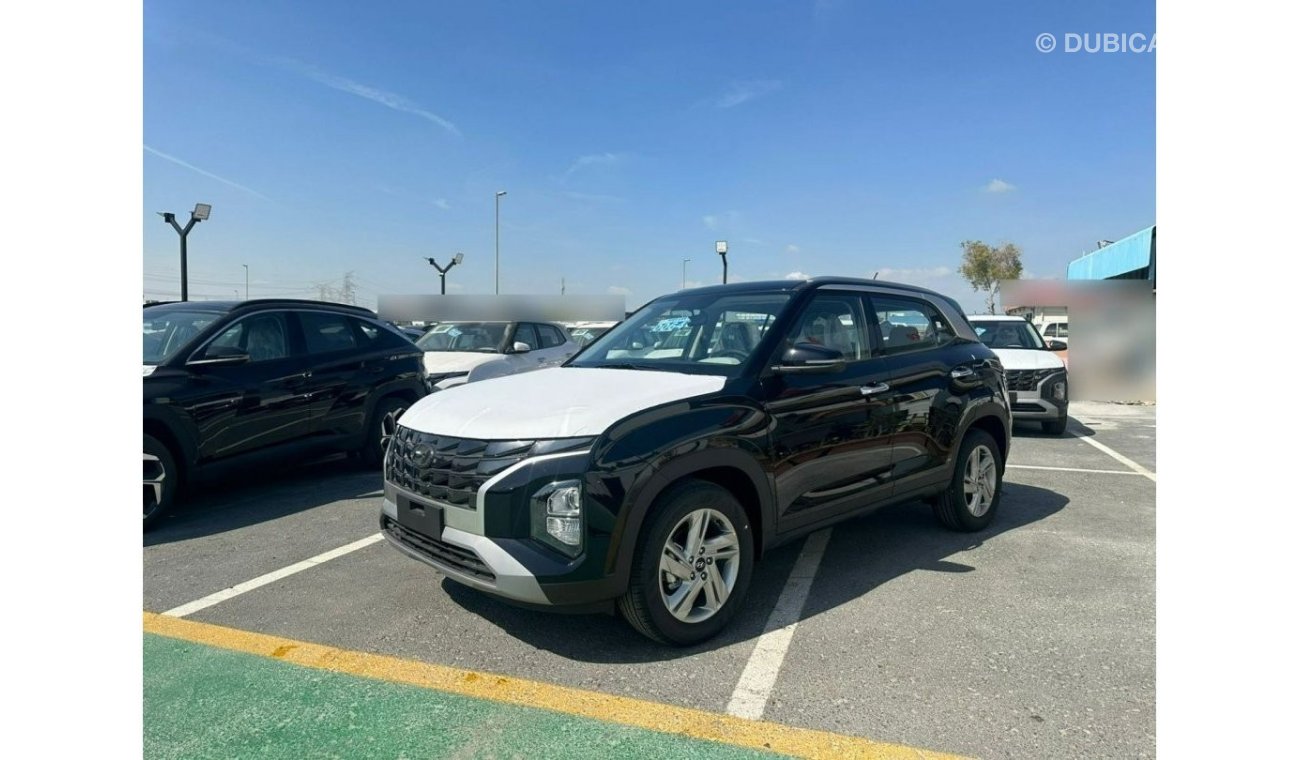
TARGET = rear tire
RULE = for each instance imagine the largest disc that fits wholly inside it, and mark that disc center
(699, 529)
(1055, 427)
(161, 481)
(383, 424)
(971, 499)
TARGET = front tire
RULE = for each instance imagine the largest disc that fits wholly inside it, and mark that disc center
(692, 565)
(382, 427)
(161, 481)
(971, 499)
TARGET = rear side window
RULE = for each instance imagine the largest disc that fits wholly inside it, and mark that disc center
(908, 324)
(327, 332)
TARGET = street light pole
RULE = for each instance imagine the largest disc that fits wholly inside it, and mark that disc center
(442, 271)
(200, 212)
(498, 264)
(245, 282)
(721, 247)
(684, 261)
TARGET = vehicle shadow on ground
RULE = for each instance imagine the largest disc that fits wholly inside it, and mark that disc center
(1035, 430)
(256, 495)
(884, 545)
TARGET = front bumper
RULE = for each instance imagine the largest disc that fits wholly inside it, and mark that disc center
(1039, 402)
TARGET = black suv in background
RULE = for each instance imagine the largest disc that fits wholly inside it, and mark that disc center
(229, 382)
(654, 468)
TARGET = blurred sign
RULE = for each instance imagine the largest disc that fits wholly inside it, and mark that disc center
(484, 308)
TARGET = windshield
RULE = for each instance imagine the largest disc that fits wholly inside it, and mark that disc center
(1009, 334)
(485, 337)
(167, 331)
(711, 334)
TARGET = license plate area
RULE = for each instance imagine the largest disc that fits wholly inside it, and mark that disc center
(419, 517)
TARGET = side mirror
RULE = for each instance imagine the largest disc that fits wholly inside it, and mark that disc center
(220, 357)
(520, 348)
(806, 358)
(1056, 345)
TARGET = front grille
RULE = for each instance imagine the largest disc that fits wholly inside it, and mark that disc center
(460, 558)
(1027, 379)
(449, 470)
(1023, 407)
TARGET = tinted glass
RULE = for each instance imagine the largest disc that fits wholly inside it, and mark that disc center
(263, 337)
(909, 325)
(526, 334)
(327, 332)
(833, 320)
(549, 336)
(167, 331)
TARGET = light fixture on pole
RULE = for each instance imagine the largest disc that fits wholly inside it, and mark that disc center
(684, 262)
(442, 271)
(498, 265)
(721, 247)
(200, 213)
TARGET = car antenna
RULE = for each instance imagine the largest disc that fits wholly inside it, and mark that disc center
(874, 276)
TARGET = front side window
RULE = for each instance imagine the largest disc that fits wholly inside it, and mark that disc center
(526, 334)
(909, 325)
(264, 337)
(704, 333)
(549, 336)
(833, 320)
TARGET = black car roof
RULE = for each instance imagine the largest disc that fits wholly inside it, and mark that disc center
(264, 303)
(799, 285)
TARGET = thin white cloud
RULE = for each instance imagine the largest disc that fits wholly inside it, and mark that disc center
(593, 197)
(382, 97)
(205, 173)
(914, 276)
(442, 204)
(616, 290)
(792, 248)
(743, 92)
(710, 221)
(798, 276)
(999, 186)
(592, 159)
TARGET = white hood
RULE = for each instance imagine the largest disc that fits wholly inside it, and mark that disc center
(560, 402)
(442, 362)
(149, 368)
(1028, 358)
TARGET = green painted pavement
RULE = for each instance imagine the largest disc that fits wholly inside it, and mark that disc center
(204, 702)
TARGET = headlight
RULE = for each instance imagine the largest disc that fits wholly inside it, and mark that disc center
(1058, 390)
(557, 516)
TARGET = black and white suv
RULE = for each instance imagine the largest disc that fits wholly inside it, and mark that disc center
(1037, 379)
(226, 383)
(652, 470)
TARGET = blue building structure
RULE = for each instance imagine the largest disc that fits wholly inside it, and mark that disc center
(1131, 258)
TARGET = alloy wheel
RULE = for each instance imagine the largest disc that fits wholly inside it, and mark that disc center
(980, 480)
(699, 565)
(388, 427)
(155, 477)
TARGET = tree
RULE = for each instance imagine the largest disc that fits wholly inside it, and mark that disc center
(984, 266)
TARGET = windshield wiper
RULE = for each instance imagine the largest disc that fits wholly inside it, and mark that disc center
(620, 365)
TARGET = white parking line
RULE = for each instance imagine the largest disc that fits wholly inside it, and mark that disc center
(1070, 469)
(1118, 457)
(271, 577)
(755, 686)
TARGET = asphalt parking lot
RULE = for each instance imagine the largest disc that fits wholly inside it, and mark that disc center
(1035, 638)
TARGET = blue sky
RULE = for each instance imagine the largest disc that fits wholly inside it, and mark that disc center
(815, 137)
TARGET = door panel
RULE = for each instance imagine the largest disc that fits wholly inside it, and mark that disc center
(263, 402)
(339, 376)
(831, 438)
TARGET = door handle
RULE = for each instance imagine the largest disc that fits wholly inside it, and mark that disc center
(871, 390)
(961, 373)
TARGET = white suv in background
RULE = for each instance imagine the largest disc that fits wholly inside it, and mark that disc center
(1036, 377)
(456, 353)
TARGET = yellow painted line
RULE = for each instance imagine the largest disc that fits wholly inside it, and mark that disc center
(654, 716)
